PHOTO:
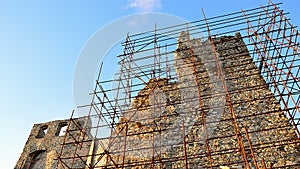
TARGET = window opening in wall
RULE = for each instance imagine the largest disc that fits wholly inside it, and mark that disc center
(42, 132)
(62, 128)
(36, 159)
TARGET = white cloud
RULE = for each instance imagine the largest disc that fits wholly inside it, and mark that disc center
(145, 5)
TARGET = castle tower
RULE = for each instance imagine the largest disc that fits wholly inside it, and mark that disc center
(220, 92)
(152, 129)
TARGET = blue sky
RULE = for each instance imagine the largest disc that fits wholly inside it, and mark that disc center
(39, 45)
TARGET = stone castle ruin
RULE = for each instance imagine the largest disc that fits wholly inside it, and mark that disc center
(220, 101)
(45, 141)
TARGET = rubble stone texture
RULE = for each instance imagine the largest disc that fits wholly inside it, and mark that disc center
(152, 129)
(44, 144)
(171, 124)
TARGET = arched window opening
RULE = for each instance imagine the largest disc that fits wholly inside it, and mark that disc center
(36, 159)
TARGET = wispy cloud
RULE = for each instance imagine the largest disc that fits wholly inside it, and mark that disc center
(145, 5)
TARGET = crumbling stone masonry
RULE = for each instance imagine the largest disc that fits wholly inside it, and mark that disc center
(164, 126)
(152, 129)
(44, 144)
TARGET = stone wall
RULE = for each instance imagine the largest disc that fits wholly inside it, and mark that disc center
(198, 120)
(45, 142)
(256, 109)
(151, 133)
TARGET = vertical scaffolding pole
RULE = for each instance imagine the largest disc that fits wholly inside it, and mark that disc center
(228, 99)
(200, 99)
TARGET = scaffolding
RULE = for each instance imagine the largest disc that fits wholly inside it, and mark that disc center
(212, 93)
